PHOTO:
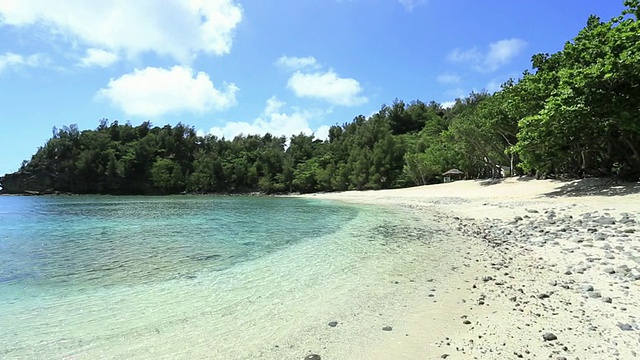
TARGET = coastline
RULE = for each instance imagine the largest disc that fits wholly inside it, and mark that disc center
(549, 269)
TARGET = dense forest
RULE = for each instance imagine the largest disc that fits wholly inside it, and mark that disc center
(575, 114)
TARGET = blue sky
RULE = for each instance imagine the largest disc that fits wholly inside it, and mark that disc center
(228, 67)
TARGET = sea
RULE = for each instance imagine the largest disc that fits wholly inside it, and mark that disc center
(198, 277)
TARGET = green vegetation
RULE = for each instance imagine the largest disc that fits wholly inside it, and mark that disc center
(576, 114)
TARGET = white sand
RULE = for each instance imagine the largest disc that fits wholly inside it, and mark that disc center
(536, 281)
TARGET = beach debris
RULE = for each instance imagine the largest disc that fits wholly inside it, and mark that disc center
(312, 357)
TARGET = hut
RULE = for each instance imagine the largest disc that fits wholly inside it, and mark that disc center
(453, 175)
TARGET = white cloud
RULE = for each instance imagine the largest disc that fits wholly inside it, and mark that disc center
(503, 51)
(177, 28)
(327, 86)
(409, 5)
(323, 132)
(11, 60)
(98, 57)
(499, 54)
(155, 91)
(472, 55)
(447, 104)
(449, 78)
(274, 121)
(273, 105)
(297, 63)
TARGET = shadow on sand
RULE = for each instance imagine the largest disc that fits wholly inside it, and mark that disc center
(596, 187)
(488, 182)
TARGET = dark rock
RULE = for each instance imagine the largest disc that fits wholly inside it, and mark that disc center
(466, 322)
(623, 269)
(625, 327)
(312, 357)
(587, 288)
(387, 328)
(595, 294)
(549, 336)
(600, 237)
(333, 323)
(605, 220)
(444, 356)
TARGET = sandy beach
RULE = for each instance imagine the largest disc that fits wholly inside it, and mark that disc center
(538, 269)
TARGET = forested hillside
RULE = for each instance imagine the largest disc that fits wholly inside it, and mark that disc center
(576, 113)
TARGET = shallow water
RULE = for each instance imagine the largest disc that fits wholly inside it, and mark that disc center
(189, 277)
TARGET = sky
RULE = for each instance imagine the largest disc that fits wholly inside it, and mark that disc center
(229, 67)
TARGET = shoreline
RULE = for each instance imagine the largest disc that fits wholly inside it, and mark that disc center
(549, 269)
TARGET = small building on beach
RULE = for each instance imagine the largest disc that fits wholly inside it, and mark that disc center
(452, 175)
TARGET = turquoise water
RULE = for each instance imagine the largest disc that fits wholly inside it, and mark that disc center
(61, 242)
(193, 277)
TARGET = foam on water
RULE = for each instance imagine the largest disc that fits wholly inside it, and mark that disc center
(191, 277)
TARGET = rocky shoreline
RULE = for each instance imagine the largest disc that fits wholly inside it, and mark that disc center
(568, 284)
(540, 270)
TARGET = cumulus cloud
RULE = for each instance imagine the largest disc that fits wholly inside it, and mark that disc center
(503, 51)
(409, 5)
(327, 86)
(499, 54)
(98, 57)
(449, 78)
(155, 91)
(447, 104)
(323, 132)
(10, 60)
(177, 28)
(274, 121)
(297, 63)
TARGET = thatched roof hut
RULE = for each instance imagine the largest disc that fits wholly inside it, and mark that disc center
(453, 174)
